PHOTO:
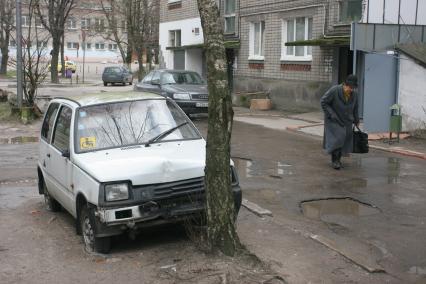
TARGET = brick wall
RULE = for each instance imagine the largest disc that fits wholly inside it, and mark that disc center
(184, 9)
(319, 69)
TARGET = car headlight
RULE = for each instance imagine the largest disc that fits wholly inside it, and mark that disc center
(181, 96)
(118, 191)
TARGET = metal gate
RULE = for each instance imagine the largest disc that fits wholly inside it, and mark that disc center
(179, 59)
(379, 91)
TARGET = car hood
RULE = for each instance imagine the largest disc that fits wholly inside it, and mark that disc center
(159, 163)
(186, 88)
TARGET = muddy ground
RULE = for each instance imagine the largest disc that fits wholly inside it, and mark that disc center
(278, 170)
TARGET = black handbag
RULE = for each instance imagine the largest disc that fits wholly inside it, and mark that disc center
(360, 141)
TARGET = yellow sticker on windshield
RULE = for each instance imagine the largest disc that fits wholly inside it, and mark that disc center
(87, 142)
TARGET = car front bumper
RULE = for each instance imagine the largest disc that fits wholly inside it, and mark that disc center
(193, 107)
(113, 221)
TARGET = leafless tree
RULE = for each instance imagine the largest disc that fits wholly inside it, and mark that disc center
(53, 15)
(7, 8)
(221, 231)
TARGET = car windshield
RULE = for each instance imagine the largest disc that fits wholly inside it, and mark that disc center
(117, 125)
(110, 70)
(181, 78)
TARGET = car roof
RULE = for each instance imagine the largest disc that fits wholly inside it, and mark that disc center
(176, 71)
(111, 97)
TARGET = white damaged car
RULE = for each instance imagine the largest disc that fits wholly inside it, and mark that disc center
(120, 161)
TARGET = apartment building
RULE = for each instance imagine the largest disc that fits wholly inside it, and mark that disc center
(86, 29)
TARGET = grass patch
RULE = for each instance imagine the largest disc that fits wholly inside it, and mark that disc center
(6, 113)
(11, 74)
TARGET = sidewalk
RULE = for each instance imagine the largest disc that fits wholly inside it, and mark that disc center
(312, 123)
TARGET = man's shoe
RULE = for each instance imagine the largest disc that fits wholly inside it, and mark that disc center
(336, 165)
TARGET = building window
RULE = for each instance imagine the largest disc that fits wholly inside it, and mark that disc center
(71, 24)
(196, 31)
(41, 44)
(99, 25)
(99, 46)
(112, 46)
(175, 38)
(298, 29)
(350, 11)
(12, 43)
(85, 24)
(38, 23)
(25, 21)
(72, 45)
(229, 16)
(88, 46)
(257, 41)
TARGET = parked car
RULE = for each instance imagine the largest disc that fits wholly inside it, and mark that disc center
(117, 74)
(120, 161)
(69, 65)
(187, 88)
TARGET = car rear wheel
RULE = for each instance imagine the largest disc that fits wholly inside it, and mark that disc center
(131, 83)
(51, 203)
(105, 84)
(91, 242)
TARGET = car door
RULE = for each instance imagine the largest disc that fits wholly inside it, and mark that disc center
(44, 148)
(61, 166)
(154, 86)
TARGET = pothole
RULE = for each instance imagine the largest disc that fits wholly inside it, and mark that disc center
(335, 208)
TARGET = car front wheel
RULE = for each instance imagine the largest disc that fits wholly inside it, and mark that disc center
(91, 242)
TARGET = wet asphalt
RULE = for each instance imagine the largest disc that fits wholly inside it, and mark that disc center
(279, 170)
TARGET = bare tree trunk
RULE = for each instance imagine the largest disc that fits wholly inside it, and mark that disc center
(4, 59)
(220, 206)
(141, 71)
(56, 43)
(62, 55)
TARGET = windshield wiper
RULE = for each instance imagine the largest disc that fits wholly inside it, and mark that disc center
(164, 134)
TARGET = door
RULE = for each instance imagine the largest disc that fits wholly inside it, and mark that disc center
(146, 84)
(44, 148)
(61, 166)
(179, 59)
(379, 91)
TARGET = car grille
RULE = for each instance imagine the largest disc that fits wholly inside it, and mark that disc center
(199, 96)
(174, 189)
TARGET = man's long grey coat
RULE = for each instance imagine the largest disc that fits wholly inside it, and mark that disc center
(338, 120)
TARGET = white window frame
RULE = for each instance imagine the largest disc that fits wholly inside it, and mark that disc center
(228, 16)
(25, 22)
(252, 54)
(86, 25)
(174, 42)
(38, 23)
(112, 46)
(173, 1)
(284, 55)
(98, 46)
(73, 45)
(71, 24)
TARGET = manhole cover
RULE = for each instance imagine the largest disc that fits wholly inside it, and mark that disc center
(326, 209)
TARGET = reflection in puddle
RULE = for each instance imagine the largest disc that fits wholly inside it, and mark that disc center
(248, 168)
(417, 270)
(389, 168)
(19, 140)
(323, 209)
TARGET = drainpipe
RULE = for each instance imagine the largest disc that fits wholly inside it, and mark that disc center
(353, 46)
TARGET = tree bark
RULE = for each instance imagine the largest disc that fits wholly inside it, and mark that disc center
(56, 43)
(4, 59)
(220, 206)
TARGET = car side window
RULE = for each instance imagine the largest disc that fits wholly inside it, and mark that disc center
(61, 135)
(49, 119)
(156, 77)
(147, 79)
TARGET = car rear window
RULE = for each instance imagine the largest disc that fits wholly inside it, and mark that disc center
(110, 70)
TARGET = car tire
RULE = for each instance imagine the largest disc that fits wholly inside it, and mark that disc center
(92, 243)
(105, 84)
(131, 83)
(51, 203)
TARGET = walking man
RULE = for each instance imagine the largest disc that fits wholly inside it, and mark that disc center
(340, 106)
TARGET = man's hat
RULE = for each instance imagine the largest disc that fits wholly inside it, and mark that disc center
(352, 81)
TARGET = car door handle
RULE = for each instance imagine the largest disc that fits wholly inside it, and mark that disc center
(48, 155)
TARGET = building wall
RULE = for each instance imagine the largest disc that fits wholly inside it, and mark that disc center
(289, 85)
(188, 37)
(404, 12)
(178, 10)
(194, 60)
(411, 94)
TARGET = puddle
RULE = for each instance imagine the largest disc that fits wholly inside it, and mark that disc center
(19, 140)
(385, 169)
(271, 169)
(417, 270)
(327, 209)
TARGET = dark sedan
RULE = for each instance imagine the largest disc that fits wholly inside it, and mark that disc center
(117, 75)
(187, 88)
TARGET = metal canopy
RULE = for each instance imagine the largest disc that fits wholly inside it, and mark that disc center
(234, 44)
(327, 41)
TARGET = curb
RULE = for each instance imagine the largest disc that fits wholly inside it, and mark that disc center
(403, 152)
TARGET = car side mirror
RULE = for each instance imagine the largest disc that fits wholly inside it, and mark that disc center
(155, 82)
(66, 154)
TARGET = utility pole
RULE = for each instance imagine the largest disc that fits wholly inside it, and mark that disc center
(19, 92)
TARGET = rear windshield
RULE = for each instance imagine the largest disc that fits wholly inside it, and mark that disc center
(117, 125)
(112, 70)
(181, 78)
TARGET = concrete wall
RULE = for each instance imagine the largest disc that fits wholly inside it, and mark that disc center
(194, 60)
(411, 94)
(286, 94)
(178, 10)
(187, 36)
